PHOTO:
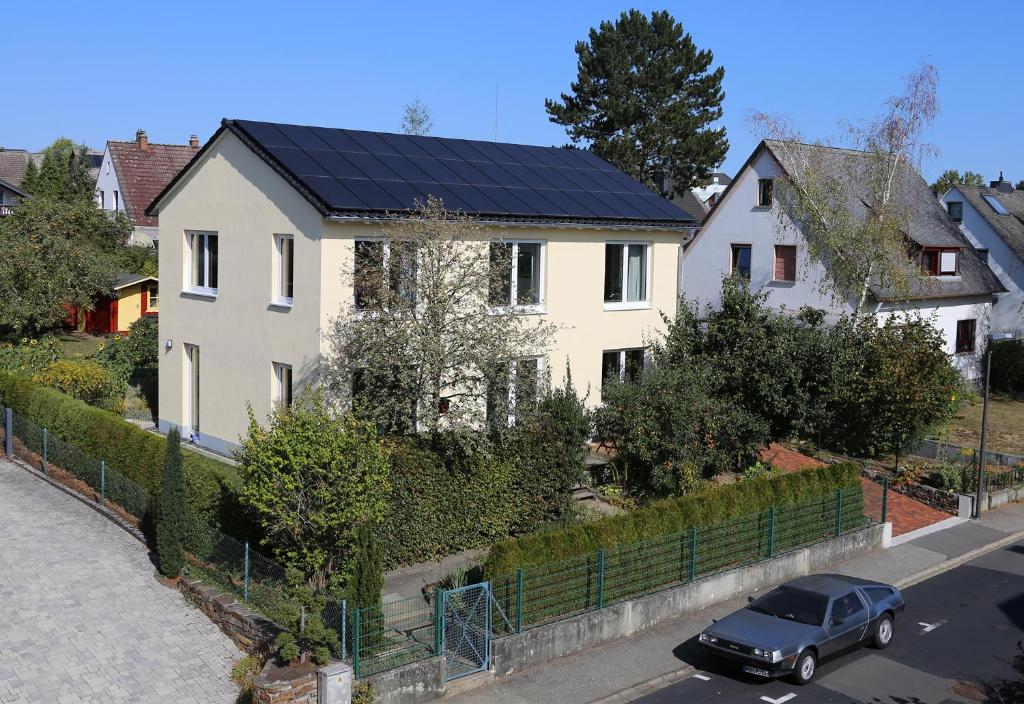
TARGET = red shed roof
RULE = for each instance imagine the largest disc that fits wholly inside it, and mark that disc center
(144, 172)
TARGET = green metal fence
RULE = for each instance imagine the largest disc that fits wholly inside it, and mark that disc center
(537, 595)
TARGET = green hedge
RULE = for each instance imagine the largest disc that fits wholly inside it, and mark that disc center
(212, 486)
(670, 516)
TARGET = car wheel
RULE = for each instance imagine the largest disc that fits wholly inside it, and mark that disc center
(883, 632)
(805, 666)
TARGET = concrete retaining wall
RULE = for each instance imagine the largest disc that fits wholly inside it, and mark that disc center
(415, 683)
(539, 645)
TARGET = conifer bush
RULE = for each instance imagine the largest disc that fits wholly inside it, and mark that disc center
(173, 512)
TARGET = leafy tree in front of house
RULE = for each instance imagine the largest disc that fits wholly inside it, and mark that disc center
(432, 328)
(851, 208)
(56, 254)
(63, 175)
(952, 177)
(416, 118)
(311, 477)
(904, 387)
(172, 520)
(644, 99)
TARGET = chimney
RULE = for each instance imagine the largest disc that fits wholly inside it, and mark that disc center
(1001, 185)
(141, 139)
(193, 141)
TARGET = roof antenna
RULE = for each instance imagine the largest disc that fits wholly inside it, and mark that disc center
(495, 111)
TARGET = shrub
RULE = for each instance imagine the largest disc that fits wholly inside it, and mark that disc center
(173, 510)
(211, 486)
(84, 379)
(367, 583)
(1008, 367)
(144, 343)
(29, 357)
(670, 516)
(948, 475)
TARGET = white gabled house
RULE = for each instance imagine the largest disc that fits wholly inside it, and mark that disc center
(992, 218)
(743, 233)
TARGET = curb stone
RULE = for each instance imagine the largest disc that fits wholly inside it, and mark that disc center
(934, 570)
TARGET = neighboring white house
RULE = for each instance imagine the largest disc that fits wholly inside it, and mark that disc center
(10, 195)
(131, 174)
(992, 218)
(263, 233)
(743, 232)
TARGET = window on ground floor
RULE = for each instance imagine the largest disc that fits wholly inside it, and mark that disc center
(513, 390)
(282, 396)
(621, 365)
(965, 335)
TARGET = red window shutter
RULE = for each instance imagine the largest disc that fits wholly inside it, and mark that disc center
(785, 262)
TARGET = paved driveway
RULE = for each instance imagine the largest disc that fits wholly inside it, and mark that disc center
(82, 619)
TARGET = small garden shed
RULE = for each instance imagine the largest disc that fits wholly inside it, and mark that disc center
(132, 297)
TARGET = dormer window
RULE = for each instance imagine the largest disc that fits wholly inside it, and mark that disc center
(940, 262)
(956, 211)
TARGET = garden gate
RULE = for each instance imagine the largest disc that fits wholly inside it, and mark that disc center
(466, 630)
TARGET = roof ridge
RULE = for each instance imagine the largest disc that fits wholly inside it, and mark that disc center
(152, 144)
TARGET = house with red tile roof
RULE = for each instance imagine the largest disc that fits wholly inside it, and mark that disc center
(133, 173)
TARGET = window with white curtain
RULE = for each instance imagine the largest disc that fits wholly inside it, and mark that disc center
(202, 271)
(627, 273)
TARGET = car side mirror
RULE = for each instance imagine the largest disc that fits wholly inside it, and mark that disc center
(750, 599)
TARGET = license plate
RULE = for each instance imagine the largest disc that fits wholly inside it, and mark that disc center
(756, 671)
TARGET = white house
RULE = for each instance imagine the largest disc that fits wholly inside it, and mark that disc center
(131, 174)
(743, 233)
(992, 218)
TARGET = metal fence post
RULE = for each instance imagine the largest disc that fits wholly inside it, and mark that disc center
(103, 479)
(839, 512)
(600, 579)
(343, 607)
(46, 452)
(9, 432)
(693, 553)
(885, 497)
(519, 601)
(356, 626)
(245, 582)
(771, 532)
(438, 620)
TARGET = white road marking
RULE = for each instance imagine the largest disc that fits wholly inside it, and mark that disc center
(780, 700)
(702, 677)
(929, 627)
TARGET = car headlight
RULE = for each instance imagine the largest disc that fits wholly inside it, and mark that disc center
(759, 653)
(707, 638)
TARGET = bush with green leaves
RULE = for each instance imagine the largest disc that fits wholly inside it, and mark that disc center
(144, 343)
(310, 478)
(1008, 367)
(84, 379)
(366, 585)
(675, 515)
(301, 612)
(29, 357)
(211, 485)
(172, 519)
(950, 475)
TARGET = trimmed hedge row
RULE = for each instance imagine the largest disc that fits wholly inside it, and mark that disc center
(670, 516)
(212, 486)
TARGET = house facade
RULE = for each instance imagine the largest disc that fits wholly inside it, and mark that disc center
(10, 195)
(992, 218)
(131, 174)
(259, 232)
(744, 233)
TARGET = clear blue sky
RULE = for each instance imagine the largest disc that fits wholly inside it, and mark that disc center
(97, 72)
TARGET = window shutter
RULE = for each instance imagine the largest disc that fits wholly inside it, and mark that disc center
(948, 263)
(785, 262)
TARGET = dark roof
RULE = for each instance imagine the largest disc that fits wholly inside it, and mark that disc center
(13, 163)
(1009, 227)
(143, 173)
(928, 223)
(125, 279)
(690, 203)
(352, 173)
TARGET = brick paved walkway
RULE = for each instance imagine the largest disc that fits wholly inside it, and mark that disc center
(82, 619)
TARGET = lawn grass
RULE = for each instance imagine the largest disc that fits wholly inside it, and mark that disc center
(79, 343)
(1005, 425)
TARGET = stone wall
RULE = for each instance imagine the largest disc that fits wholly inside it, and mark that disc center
(272, 688)
(250, 631)
(936, 498)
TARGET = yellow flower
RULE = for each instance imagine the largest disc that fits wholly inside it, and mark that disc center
(33, 342)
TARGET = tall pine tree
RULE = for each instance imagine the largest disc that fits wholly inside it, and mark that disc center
(173, 513)
(644, 100)
(63, 175)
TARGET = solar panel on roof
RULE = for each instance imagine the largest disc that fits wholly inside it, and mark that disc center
(371, 171)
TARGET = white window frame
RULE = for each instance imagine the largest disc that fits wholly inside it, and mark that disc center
(278, 369)
(540, 305)
(622, 360)
(278, 298)
(385, 263)
(649, 265)
(192, 370)
(154, 301)
(190, 241)
(99, 195)
(512, 369)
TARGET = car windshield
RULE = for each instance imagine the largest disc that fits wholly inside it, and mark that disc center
(793, 605)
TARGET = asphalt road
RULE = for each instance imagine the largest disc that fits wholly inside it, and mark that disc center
(960, 630)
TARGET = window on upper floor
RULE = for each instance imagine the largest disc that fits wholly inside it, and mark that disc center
(282, 396)
(517, 273)
(202, 271)
(765, 187)
(385, 273)
(284, 270)
(116, 201)
(936, 261)
(956, 210)
(785, 263)
(627, 272)
(965, 335)
(740, 260)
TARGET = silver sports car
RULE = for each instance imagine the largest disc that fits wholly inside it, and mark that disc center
(786, 631)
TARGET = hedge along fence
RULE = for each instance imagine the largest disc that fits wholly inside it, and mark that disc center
(135, 453)
(674, 515)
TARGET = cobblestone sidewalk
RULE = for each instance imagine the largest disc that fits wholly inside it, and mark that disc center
(82, 619)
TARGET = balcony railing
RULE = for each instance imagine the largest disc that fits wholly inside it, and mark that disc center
(6, 210)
